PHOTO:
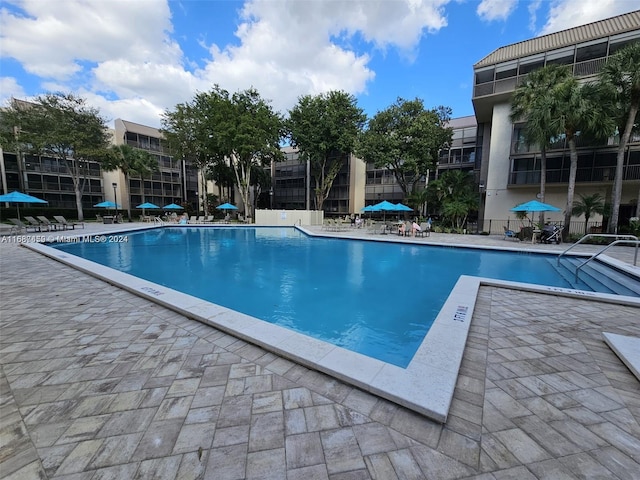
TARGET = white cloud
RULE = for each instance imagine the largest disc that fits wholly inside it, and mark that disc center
(9, 88)
(565, 14)
(122, 56)
(490, 10)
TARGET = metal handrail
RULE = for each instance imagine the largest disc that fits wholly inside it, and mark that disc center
(609, 235)
(617, 242)
(157, 220)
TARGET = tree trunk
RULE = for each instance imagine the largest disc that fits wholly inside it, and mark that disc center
(572, 186)
(616, 194)
(79, 203)
(543, 180)
(126, 184)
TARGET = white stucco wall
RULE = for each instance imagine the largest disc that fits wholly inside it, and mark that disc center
(289, 217)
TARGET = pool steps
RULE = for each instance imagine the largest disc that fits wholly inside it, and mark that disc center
(596, 277)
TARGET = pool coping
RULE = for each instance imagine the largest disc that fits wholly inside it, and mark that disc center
(426, 385)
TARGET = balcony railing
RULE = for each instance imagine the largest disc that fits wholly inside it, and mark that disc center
(583, 175)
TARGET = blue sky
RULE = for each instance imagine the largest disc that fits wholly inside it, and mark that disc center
(135, 59)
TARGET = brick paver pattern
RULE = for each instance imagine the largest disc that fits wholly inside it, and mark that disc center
(97, 383)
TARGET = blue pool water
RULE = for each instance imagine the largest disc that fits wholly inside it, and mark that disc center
(375, 298)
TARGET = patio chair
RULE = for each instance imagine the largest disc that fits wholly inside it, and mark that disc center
(193, 219)
(67, 225)
(52, 225)
(425, 230)
(20, 227)
(509, 234)
(36, 224)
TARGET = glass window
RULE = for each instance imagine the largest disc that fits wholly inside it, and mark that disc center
(589, 52)
(484, 76)
(507, 70)
(530, 67)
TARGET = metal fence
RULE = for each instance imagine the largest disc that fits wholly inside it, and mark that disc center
(498, 226)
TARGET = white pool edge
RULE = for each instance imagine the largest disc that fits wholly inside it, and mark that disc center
(426, 385)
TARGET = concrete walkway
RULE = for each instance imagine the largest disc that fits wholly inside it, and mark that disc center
(97, 383)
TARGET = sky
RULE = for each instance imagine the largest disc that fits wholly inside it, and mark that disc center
(136, 59)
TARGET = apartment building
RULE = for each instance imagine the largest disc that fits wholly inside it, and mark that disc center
(175, 182)
(510, 170)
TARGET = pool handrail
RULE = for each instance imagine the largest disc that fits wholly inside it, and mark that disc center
(619, 239)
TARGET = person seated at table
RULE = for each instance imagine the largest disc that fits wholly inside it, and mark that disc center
(358, 222)
(415, 228)
(184, 219)
(401, 230)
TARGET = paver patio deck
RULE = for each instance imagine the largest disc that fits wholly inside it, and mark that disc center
(97, 383)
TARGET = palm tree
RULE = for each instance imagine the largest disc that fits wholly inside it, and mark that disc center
(531, 101)
(145, 166)
(621, 75)
(454, 191)
(123, 157)
(576, 109)
(587, 206)
(132, 162)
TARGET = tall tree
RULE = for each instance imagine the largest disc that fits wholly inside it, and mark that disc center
(62, 126)
(577, 109)
(325, 128)
(186, 132)
(252, 134)
(531, 102)
(621, 76)
(406, 138)
(132, 162)
(145, 166)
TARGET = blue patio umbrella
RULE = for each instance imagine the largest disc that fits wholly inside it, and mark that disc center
(146, 205)
(19, 197)
(107, 204)
(173, 206)
(535, 206)
(384, 207)
(403, 208)
(226, 206)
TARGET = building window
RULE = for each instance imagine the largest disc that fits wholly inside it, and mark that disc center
(590, 52)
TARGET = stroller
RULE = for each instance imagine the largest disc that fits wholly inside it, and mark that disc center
(551, 234)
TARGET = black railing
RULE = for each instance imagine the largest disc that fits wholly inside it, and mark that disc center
(583, 175)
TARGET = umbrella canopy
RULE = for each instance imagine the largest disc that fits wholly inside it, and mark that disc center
(19, 197)
(403, 208)
(368, 208)
(226, 206)
(106, 205)
(535, 206)
(147, 205)
(384, 206)
(173, 206)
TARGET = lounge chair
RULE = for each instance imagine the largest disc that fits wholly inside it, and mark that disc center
(20, 227)
(509, 234)
(193, 219)
(52, 225)
(67, 225)
(36, 224)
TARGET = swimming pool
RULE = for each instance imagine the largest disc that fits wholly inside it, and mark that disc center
(375, 298)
